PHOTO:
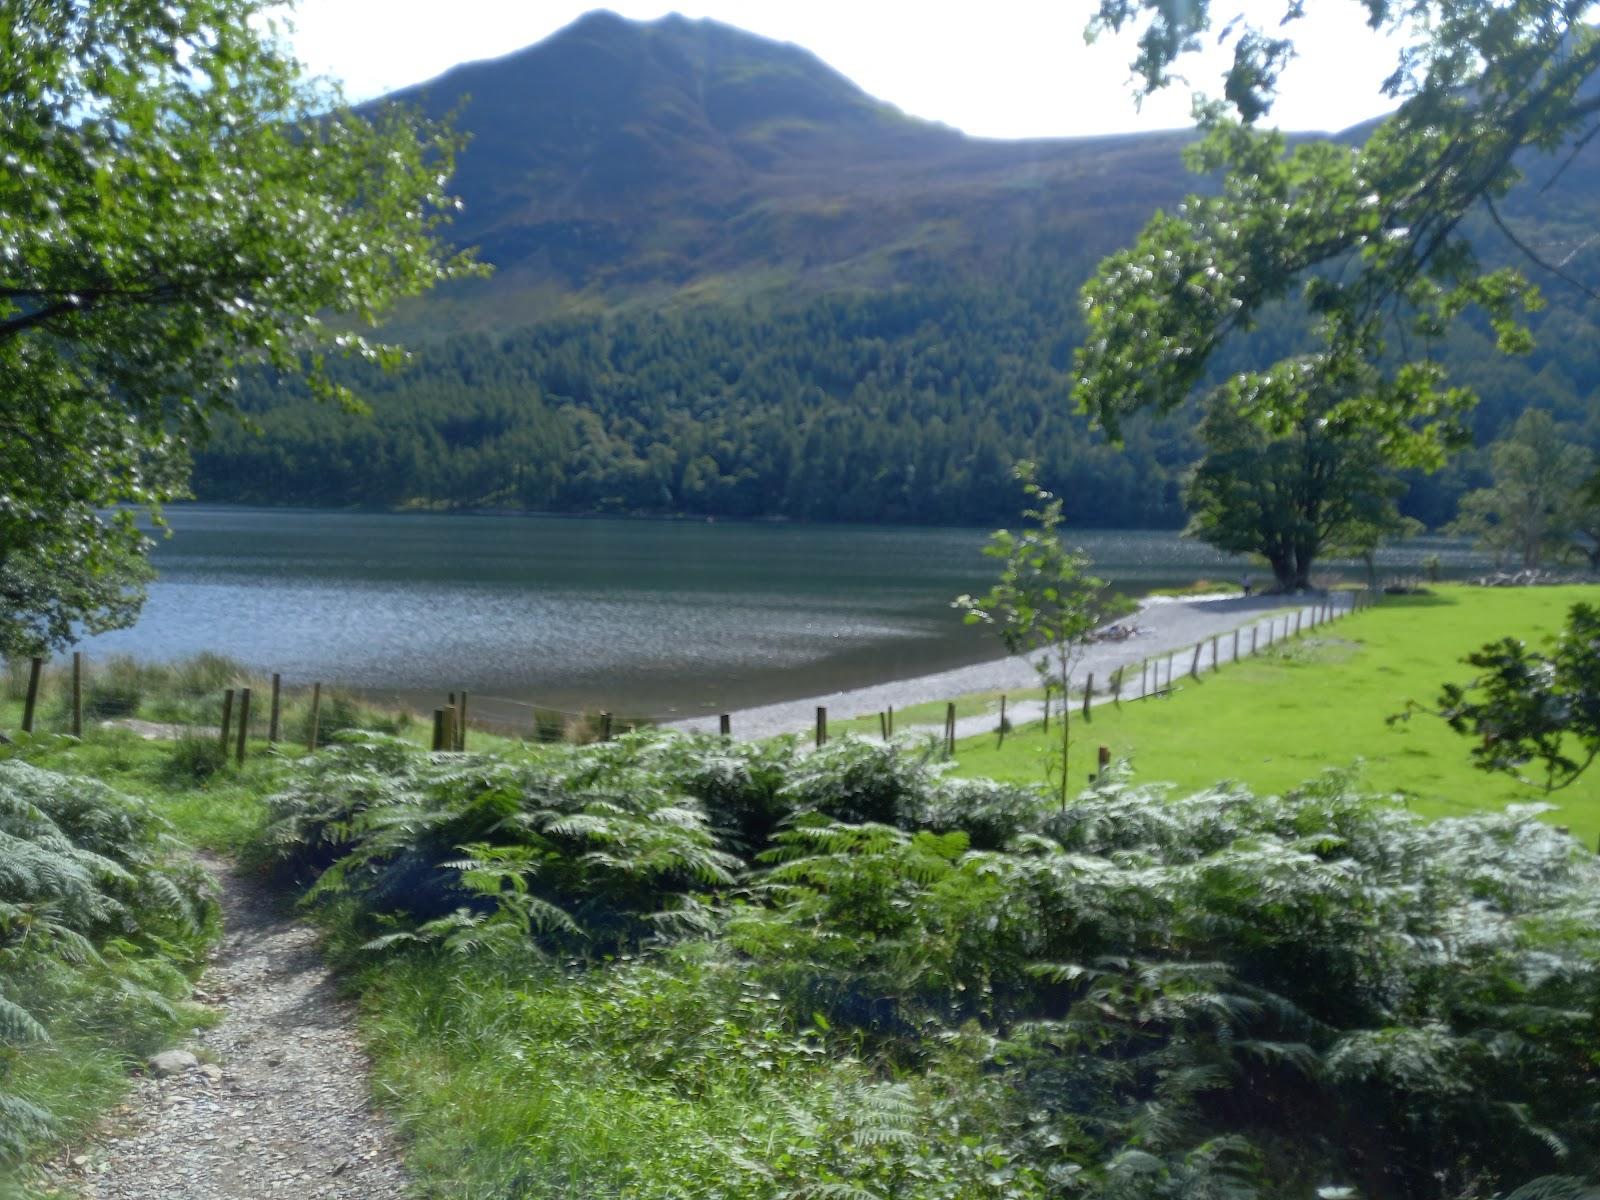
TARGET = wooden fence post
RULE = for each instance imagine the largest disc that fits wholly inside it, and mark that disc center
(1298, 613)
(1002, 729)
(1046, 728)
(77, 693)
(1255, 630)
(316, 716)
(1088, 695)
(227, 719)
(35, 668)
(461, 729)
(822, 726)
(1194, 667)
(883, 725)
(1104, 760)
(725, 725)
(1214, 663)
(605, 725)
(950, 730)
(272, 716)
(438, 729)
(1116, 687)
(891, 720)
(450, 727)
(244, 724)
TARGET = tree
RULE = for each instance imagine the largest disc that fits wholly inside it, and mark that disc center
(176, 203)
(1533, 507)
(1289, 498)
(1045, 602)
(1586, 520)
(1365, 243)
(1531, 708)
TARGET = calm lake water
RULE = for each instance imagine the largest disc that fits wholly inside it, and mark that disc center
(641, 617)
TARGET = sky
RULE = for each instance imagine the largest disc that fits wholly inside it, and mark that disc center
(991, 68)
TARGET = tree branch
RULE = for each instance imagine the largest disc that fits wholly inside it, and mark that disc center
(1533, 255)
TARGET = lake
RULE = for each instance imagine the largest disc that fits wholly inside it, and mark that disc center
(657, 618)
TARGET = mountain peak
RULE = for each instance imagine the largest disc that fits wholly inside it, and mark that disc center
(620, 158)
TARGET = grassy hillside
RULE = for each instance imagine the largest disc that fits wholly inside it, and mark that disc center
(621, 162)
(1272, 722)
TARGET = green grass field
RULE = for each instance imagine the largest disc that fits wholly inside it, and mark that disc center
(1274, 721)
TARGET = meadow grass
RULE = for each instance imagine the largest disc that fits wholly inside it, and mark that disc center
(1323, 700)
(513, 1076)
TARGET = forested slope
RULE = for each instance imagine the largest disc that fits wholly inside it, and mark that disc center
(902, 406)
(731, 283)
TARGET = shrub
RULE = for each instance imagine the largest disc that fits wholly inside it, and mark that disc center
(1321, 989)
(739, 784)
(194, 758)
(115, 689)
(858, 781)
(580, 847)
(339, 712)
(1134, 996)
(97, 923)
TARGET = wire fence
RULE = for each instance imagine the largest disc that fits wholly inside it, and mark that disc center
(241, 717)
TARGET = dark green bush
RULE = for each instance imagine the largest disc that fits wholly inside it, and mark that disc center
(857, 781)
(580, 844)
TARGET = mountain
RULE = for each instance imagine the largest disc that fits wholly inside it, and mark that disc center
(620, 162)
(730, 282)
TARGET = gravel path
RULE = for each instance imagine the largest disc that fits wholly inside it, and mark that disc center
(277, 1106)
(1165, 628)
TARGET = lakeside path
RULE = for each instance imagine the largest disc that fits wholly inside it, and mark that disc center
(1165, 626)
(271, 1102)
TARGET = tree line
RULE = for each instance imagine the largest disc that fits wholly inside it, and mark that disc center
(909, 406)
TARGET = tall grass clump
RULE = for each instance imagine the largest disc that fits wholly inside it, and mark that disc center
(99, 921)
(669, 966)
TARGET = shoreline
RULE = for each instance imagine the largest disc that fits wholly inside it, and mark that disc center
(1164, 625)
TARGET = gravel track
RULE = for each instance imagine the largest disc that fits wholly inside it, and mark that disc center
(279, 1103)
(1164, 627)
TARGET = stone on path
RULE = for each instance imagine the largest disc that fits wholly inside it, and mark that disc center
(172, 1062)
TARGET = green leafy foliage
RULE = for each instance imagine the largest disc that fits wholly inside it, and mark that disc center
(1537, 501)
(1224, 994)
(585, 847)
(176, 203)
(1293, 498)
(1369, 246)
(1045, 601)
(99, 920)
(1532, 709)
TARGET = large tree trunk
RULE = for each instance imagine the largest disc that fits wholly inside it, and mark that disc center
(1302, 574)
(1283, 571)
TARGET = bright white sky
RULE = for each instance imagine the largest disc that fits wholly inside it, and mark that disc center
(993, 68)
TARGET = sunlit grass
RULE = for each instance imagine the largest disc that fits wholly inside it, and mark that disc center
(1274, 721)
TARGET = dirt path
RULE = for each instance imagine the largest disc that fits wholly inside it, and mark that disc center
(278, 1104)
(1166, 628)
